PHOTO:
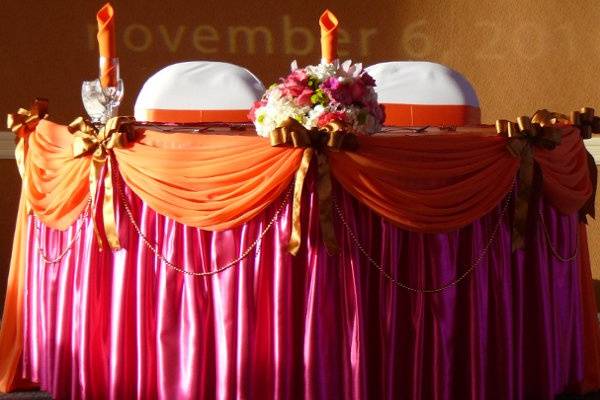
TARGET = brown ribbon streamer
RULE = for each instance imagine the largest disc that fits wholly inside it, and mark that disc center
(522, 138)
(332, 137)
(22, 123)
(588, 123)
(99, 143)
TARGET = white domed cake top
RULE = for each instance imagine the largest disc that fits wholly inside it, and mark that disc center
(420, 82)
(192, 87)
(418, 93)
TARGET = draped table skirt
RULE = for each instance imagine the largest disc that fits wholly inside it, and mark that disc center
(126, 325)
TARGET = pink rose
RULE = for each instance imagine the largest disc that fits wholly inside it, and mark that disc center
(295, 83)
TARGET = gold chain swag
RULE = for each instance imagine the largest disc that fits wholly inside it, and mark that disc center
(42, 251)
(402, 285)
(553, 248)
(154, 247)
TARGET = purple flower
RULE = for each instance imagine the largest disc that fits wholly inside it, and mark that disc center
(337, 90)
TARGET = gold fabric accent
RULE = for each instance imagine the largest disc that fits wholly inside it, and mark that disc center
(99, 143)
(22, 123)
(333, 137)
(522, 137)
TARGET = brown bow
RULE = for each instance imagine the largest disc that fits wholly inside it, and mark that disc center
(332, 137)
(117, 132)
(522, 137)
(588, 123)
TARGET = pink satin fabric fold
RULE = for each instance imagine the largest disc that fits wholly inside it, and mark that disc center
(122, 325)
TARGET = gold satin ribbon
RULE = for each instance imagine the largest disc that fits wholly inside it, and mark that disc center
(522, 137)
(588, 123)
(331, 137)
(99, 143)
(22, 123)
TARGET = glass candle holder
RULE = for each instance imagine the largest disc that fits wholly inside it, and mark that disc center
(102, 103)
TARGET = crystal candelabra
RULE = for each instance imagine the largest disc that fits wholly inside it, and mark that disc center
(102, 103)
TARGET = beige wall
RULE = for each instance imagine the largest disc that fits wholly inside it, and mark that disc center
(519, 54)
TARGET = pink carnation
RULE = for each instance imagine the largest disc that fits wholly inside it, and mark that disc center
(255, 106)
(331, 116)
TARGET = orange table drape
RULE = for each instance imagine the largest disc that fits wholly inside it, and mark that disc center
(429, 183)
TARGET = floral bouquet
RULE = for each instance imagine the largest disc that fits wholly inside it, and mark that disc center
(318, 95)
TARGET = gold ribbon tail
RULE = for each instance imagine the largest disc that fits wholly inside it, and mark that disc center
(324, 190)
(296, 237)
(108, 209)
(95, 169)
(523, 199)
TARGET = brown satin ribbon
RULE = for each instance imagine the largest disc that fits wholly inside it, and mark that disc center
(99, 143)
(588, 123)
(332, 137)
(522, 138)
(22, 123)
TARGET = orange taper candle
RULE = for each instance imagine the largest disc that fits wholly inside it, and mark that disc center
(107, 45)
(329, 27)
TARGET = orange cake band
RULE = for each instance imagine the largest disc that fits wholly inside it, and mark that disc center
(182, 116)
(429, 114)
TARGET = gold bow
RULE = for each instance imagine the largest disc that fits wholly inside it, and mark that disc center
(522, 137)
(331, 137)
(588, 123)
(99, 143)
(22, 123)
